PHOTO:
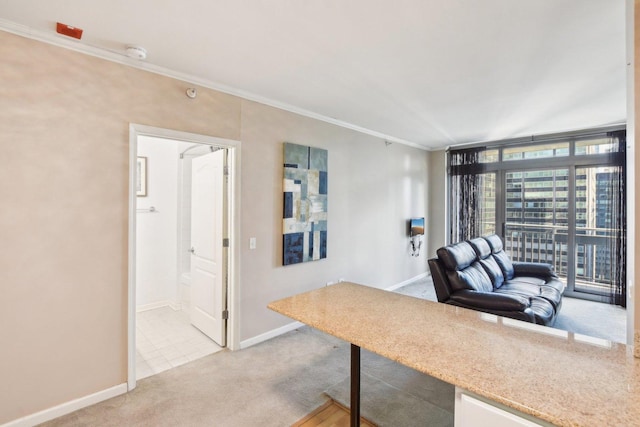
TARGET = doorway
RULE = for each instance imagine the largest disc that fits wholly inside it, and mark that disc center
(188, 287)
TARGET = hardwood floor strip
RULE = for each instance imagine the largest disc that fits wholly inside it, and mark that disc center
(326, 414)
(311, 419)
(330, 414)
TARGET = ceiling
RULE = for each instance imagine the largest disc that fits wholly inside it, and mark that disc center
(430, 73)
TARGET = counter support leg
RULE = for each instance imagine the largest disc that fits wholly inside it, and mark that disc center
(355, 386)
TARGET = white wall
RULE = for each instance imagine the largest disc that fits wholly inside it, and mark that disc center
(384, 186)
(437, 218)
(156, 233)
(67, 259)
(374, 189)
(65, 226)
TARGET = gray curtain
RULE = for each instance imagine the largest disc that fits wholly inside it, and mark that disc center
(617, 243)
(465, 172)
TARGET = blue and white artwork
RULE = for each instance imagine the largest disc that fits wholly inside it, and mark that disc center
(304, 221)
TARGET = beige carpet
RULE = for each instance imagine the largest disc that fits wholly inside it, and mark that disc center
(275, 383)
(278, 382)
(387, 405)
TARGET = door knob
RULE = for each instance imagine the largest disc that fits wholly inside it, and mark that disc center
(192, 250)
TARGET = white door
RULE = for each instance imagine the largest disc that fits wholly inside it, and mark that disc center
(208, 289)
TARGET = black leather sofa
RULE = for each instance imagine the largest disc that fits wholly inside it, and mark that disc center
(478, 274)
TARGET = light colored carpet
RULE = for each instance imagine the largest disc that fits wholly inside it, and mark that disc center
(579, 316)
(394, 395)
(274, 383)
(390, 406)
(594, 319)
(279, 381)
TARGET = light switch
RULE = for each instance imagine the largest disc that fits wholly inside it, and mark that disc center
(252, 243)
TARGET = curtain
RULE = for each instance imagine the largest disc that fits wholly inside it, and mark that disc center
(465, 184)
(617, 243)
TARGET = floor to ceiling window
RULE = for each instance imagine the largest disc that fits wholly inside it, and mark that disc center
(560, 200)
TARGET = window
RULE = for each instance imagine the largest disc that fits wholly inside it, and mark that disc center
(561, 201)
(536, 151)
(595, 146)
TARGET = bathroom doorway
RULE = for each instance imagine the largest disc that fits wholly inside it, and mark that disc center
(181, 254)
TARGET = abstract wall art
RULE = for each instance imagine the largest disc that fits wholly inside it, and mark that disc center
(304, 222)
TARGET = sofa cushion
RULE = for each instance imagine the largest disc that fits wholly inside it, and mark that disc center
(551, 282)
(483, 250)
(543, 311)
(481, 247)
(471, 278)
(557, 284)
(457, 257)
(505, 264)
(495, 243)
(527, 289)
(494, 271)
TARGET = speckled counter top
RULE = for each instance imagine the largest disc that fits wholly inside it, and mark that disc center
(560, 377)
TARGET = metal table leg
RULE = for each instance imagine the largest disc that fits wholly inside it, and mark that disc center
(355, 386)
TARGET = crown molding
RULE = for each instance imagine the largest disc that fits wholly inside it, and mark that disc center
(78, 46)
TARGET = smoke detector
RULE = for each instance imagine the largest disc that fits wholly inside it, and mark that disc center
(136, 52)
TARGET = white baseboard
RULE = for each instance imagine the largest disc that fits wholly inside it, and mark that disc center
(67, 407)
(406, 282)
(158, 304)
(270, 334)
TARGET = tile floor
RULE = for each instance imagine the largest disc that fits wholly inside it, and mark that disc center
(165, 339)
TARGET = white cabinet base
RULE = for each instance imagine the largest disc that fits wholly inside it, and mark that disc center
(474, 411)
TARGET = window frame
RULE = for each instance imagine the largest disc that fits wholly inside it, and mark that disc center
(570, 161)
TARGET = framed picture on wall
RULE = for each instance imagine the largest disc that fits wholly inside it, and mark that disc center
(141, 181)
(304, 221)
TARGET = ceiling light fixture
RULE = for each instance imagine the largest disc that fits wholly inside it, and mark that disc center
(136, 52)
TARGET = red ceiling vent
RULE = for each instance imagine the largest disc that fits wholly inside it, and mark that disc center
(68, 30)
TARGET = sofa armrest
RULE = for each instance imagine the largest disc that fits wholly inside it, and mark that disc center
(490, 300)
(440, 281)
(536, 269)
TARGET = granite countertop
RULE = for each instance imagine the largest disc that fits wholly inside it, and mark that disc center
(560, 377)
